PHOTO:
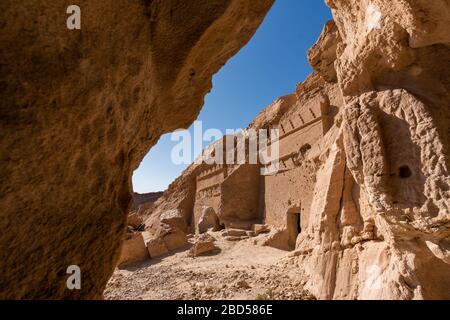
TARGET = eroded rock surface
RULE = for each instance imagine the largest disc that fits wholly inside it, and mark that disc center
(133, 250)
(79, 111)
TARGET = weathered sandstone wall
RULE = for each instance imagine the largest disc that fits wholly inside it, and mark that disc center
(393, 68)
(80, 109)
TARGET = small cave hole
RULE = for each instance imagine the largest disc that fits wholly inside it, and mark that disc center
(404, 172)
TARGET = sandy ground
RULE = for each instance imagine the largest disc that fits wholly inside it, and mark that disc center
(242, 270)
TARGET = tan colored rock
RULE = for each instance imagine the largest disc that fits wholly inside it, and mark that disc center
(81, 109)
(208, 220)
(322, 55)
(175, 239)
(175, 219)
(202, 248)
(133, 250)
(204, 245)
(277, 239)
(156, 247)
(234, 233)
(394, 198)
(260, 228)
(135, 221)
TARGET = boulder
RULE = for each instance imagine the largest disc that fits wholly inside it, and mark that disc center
(278, 238)
(260, 228)
(156, 247)
(208, 220)
(133, 250)
(204, 245)
(175, 239)
(174, 219)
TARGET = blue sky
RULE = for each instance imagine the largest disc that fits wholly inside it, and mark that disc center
(268, 67)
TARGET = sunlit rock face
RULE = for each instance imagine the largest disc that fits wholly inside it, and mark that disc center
(80, 109)
(396, 140)
(378, 222)
(389, 227)
(362, 196)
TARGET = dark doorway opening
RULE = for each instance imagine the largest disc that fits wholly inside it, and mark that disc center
(293, 228)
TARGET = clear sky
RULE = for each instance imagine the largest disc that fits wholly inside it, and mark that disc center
(268, 67)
